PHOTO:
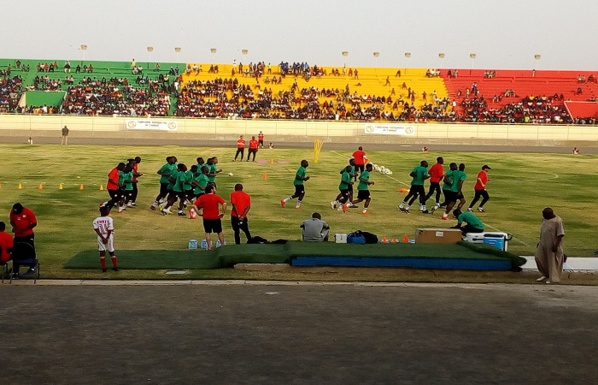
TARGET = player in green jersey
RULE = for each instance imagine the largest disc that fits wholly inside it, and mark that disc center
(300, 177)
(419, 175)
(363, 190)
(164, 173)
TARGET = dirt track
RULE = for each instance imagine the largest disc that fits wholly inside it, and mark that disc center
(258, 333)
(517, 148)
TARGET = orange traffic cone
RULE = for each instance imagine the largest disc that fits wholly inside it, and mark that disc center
(406, 239)
(384, 240)
(0, 184)
(40, 187)
(403, 190)
(60, 186)
(264, 176)
(20, 186)
(394, 240)
(101, 187)
(81, 187)
(192, 213)
(271, 160)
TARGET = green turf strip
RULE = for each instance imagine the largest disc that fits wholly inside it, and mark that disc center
(230, 255)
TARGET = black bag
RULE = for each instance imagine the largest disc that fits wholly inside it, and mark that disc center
(369, 237)
(355, 237)
(257, 240)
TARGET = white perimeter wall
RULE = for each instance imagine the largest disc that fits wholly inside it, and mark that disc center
(50, 125)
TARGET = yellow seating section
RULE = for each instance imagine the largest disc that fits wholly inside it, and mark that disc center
(371, 81)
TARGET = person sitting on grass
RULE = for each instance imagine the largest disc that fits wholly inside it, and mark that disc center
(474, 225)
(315, 229)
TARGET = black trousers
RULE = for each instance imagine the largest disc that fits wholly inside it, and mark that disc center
(478, 194)
(240, 151)
(238, 226)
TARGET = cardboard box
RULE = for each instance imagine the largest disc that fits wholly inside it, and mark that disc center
(445, 236)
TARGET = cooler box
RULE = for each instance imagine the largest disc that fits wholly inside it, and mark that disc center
(340, 238)
(475, 237)
(498, 240)
(445, 236)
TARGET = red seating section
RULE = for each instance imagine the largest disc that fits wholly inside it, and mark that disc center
(524, 83)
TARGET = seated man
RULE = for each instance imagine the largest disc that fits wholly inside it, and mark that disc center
(6, 244)
(315, 229)
(474, 225)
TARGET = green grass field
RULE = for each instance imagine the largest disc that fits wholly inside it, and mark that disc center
(521, 185)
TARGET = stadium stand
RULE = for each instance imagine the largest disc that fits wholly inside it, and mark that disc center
(297, 91)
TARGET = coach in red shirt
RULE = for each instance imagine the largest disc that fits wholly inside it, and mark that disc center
(214, 208)
(113, 187)
(253, 144)
(23, 221)
(480, 189)
(240, 148)
(241, 202)
(359, 157)
(6, 244)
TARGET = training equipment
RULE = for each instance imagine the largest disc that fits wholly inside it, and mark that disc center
(81, 187)
(101, 187)
(318, 143)
(192, 213)
(282, 203)
(40, 187)
(387, 172)
(19, 186)
(60, 186)
(230, 174)
(264, 176)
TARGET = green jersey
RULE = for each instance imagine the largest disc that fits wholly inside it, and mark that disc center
(174, 176)
(166, 169)
(471, 219)
(458, 176)
(346, 179)
(127, 180)
(121, 178)
(301, 174)
(199, 166)
(419, 175)
(449, 176)
(181, 179)
(363, 179)
(202, 180)
(187, 181)
(212, 175)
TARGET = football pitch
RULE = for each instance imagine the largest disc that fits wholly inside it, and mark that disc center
(520, 186)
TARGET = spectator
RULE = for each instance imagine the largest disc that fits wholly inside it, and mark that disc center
(315, 229)
(65, 136)
(549, 251)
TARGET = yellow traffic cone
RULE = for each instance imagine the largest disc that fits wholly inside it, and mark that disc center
(60, 186)
(101, 187)
(20, 186)
(0, 184)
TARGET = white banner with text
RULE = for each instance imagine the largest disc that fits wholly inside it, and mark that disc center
(159, 125)
(390, 129)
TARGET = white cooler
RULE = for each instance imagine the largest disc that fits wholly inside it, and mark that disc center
(340, 238)
(496, 239)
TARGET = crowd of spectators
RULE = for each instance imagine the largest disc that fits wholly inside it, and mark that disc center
(10, 91)
(227, 98)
